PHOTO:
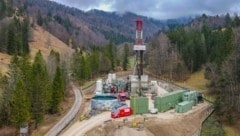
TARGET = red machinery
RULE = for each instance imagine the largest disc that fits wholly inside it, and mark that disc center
(123, 96)
(121, 112)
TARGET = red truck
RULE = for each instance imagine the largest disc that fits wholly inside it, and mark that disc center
(121, 112)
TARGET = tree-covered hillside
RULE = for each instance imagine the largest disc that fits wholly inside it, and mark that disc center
(185, 50)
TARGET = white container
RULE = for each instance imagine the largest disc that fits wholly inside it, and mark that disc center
(99, 85)
(153, 83)
(134, 85)
(133, 78)
(144, 78)
(109, 78)
(113, 76)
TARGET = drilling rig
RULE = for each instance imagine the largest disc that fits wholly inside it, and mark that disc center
(139, 49)
(138, 101)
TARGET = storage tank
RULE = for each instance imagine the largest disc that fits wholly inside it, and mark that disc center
(114, 76)
(99, 86)
(103, 102)
(109, 79)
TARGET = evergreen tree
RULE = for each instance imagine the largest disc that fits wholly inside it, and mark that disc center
(17, 38)
(95, 62)
(26, 70)
(228, 19)
(83, 68)
(58, 91)
(13, 76)
(87, 68)
(125, 57)
(236, 21)
(25, 35)
(3, 106)
(75, 66)
(109, 52)
(20, 105)
(11, 48)
(41, 89)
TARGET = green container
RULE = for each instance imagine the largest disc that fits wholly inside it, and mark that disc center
(139, 105)
(184, 106)
(168, 101)
(190, 96)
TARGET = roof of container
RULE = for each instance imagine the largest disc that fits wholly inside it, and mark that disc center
(184, 103)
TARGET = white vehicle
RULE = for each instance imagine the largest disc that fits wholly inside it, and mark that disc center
(153, 111)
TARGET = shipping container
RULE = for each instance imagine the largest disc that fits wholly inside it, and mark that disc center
(139, 105)
(191, 96)
(168, 101)
(184, 106)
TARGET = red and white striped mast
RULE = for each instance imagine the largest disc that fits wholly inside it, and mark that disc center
(139, 47)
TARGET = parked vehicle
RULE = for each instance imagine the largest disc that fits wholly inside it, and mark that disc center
(121, 112)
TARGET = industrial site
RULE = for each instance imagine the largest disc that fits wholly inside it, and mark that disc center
(119, 68)
(139, 105)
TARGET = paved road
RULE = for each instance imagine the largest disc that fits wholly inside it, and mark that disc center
(69, 116)
(80, 128)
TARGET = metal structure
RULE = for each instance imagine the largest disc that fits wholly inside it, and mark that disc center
(139, 48)
(138, 102)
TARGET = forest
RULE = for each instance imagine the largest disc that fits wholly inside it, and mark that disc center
(36, 88)
(182, 51)
(29, 90)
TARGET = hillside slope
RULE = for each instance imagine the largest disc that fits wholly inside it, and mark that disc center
(93, 27)
(4, 61)
(43, 41)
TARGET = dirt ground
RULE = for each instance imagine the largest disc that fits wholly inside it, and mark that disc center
(4, 62)
(163, 124)
(45, 42)
(8, 131)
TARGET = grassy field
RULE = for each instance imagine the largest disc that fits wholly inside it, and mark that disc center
(196, 81)
(229, 131)
(211, 127)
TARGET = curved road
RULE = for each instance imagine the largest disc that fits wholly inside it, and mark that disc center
(80, 128)
(69, 116)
